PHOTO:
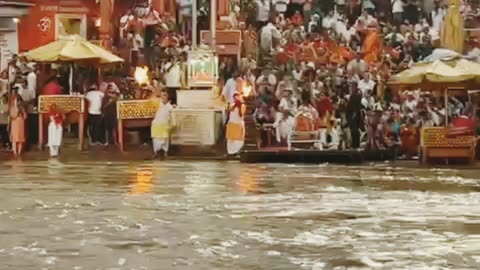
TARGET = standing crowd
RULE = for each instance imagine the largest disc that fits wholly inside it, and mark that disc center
(310, 67)
(328, 70)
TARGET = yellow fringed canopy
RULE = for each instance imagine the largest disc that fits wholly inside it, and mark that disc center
(71, 48)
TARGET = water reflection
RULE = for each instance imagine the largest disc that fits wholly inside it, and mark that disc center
(248, 181)
(142, 181)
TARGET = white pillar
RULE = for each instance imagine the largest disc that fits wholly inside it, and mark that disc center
(213, 23)
(194, 24)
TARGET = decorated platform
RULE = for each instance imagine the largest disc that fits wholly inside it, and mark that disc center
(436, 144)
(302, 156)
(193, 125)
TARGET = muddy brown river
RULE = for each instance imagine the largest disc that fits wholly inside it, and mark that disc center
(227, 215)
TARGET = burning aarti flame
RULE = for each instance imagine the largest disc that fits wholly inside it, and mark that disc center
(141, 75)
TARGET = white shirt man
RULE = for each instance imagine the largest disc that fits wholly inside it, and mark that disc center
(364, 21)
(172, 75)
(329, 20)
(136, 41)
(185, 7)
(246, 64)
(95, 102)
(366, 85)
(285, 84)
(287, 104)
(124, 23)
(12, 72)
(281, 5)
(263, 10)
(284, 127)
(32, 84)
(397, 6)
(105, 85)
(268, 34)
(270, 79)
(229, 90)
(23, 92)
(397, 37)
(437, 19)
(368, 101)
(357, 66)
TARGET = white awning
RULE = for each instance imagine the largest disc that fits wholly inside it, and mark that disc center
(13, 12)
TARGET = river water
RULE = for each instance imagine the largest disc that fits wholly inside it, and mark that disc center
(227, 215)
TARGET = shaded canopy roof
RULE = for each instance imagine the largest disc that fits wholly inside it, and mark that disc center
(442, 68)
(69, 49)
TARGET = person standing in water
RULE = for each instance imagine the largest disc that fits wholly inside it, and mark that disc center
(55, 130)
(161, 126)
(236, 126)
(17, 122)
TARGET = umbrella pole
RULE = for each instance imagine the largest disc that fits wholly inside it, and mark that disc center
(446, 106)
(194, 24)
(70, 79)
(99, 76)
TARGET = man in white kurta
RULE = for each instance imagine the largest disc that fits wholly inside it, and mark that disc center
(284, 127)
(161, 125)
(236, 126)
(55, 131)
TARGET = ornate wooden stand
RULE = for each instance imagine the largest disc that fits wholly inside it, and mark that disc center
(66, 104)
(436, 144)
(134, 113)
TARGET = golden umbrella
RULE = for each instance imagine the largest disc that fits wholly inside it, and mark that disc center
(440, 75)
(452, 33)
(439, 72)
(70, 49)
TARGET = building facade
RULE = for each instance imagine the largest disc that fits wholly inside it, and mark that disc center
(92, 19)
(48, 19)
(11, 13)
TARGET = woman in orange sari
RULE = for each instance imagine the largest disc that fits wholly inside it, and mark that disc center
(17, 121)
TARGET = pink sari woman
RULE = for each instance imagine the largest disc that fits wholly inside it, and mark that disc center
(17, 121)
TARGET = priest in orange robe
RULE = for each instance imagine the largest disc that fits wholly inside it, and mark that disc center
(372, 46)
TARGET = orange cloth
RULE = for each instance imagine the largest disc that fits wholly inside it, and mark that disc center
(291, 52)
(323, 58)
(346, 53)
(320, 44)
(282, 58)
(235, 132)
(304, 123)
(17, 132)
(372, 47)
(341, 55)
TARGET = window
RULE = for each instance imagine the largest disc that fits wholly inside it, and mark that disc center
(70, 24)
